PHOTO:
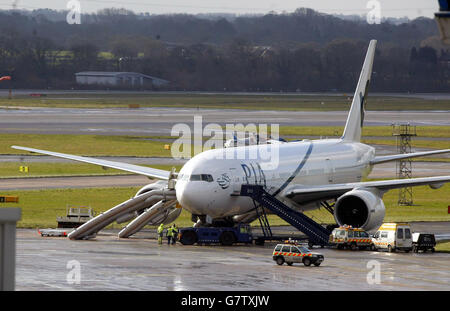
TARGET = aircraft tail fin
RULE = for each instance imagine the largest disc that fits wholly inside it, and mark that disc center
(355, 119)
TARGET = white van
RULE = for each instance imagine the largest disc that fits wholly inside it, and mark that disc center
(393, 236)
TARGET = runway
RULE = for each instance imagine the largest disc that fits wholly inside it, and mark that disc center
(109, 263)
(159, 121)
(99, 93)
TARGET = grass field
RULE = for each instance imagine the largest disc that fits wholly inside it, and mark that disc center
(383, 135)
(40, 207)
(378, 131)
(220, 101)
(93, 145)
(443, 247)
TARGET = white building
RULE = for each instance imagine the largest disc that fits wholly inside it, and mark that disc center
(128, 79)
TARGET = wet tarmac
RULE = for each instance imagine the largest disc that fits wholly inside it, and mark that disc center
(109, 263)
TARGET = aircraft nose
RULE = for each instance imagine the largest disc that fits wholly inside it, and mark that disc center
(186, 194)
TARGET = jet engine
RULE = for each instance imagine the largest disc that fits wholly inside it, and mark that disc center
(360, 208)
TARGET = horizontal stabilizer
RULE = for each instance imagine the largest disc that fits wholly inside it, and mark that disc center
(397, 157)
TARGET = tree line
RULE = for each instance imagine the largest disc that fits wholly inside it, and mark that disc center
(300, 51)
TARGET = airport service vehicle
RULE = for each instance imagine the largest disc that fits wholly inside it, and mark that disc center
(54, 232)
(61, 232)
(302, 175)
(392, 237)
(423, 242)
(224, 235)
(291, 253)
(349, 237)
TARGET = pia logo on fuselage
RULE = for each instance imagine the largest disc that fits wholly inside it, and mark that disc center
(224, 181)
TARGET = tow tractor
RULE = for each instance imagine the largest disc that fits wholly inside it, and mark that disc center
(240, 233)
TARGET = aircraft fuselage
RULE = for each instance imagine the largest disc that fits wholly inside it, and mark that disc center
(209, 183)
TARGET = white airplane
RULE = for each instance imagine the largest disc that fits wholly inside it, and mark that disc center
(308, 173)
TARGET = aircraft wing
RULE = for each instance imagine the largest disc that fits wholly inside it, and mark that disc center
(141, 170)
(395, 157)
(307, 194)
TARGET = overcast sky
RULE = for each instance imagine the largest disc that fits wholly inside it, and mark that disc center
(389, 8)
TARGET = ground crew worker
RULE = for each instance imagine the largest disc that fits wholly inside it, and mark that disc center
(174, 233)
(169, 235)
(160, 233)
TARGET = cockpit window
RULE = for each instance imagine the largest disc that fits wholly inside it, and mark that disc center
(207, 177)
(195, 178)
(201, 177)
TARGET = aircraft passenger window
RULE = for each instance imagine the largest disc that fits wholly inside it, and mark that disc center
(286, 249)
(407, 234)
(400, 233)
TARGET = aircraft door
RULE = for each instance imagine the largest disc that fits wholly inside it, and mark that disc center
(400, 241)
(235, 182)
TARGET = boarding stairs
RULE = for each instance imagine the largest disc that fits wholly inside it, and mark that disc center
(317, 234)
(150, 208)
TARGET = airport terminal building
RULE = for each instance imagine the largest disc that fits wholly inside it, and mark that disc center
(118, 79)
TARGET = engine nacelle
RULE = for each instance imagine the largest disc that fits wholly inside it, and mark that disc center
(360, 208)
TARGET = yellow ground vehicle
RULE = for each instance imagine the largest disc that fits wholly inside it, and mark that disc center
(348, 237)
(392, 237)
